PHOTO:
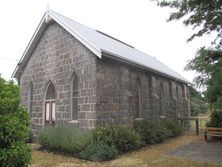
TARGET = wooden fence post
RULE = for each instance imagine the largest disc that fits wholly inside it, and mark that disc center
(197, 127)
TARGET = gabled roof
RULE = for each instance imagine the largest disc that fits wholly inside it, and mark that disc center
(100, 44)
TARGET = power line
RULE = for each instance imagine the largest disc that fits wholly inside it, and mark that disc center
(5, 58)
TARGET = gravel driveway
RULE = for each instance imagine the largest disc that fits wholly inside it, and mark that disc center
(205, 151)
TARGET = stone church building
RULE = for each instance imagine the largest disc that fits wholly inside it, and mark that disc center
(70, 73)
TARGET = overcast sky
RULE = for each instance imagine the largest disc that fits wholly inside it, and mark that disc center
(139, 23)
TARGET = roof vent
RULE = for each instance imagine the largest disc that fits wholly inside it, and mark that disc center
(114, 38)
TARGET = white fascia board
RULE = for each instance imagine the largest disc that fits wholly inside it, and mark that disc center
(78, 36)
(37, 34)
(31, 45)
(135, 64)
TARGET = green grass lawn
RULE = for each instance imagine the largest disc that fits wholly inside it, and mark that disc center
(153, 155)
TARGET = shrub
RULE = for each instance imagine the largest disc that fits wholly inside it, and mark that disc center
(19, 154)
(123, 138)
(149, 131)
(156, 131)
(174, 127)
(64, 138)
(14, 127)
(99, 152)
(215, 119)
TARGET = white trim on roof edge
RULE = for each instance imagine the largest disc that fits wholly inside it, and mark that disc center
(83, 40)
(37, 34)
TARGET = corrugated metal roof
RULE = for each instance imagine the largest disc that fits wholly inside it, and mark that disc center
(100, 43)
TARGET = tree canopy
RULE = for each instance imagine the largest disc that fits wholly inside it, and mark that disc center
(205, 16)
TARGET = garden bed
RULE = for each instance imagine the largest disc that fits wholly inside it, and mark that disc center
(106, 142)
(151, 155)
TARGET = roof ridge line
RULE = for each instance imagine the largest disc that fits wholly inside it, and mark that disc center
(98, 51)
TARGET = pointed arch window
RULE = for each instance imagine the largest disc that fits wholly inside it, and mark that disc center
(30, 98)
(161, 99)
(74, 97)
(50, 104)
(177, 102)
(138, 99)
(177, 94)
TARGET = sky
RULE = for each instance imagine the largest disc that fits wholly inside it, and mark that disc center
(139, 23)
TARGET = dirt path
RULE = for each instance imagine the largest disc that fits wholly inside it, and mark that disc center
(154, 156)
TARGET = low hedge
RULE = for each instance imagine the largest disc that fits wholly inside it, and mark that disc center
(64, 138)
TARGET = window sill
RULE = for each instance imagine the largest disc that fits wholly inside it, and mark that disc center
(162, 116)
(73, 121)
(139, 119)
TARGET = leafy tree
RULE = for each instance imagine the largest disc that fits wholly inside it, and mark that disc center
(208, 63)
(198, 104)
(205, 16)
(14, 127)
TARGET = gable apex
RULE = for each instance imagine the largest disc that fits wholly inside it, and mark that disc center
(47, 18)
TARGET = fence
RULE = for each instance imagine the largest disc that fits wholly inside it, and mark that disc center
(193, 124)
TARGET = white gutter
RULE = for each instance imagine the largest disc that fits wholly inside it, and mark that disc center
(136, 64)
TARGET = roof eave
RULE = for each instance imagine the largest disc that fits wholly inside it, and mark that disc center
(135, 64)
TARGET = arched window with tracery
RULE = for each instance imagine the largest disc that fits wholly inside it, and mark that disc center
(74, 97)
(178, 102)
(50, 104)
(30, 98)
(177, 94)
(162, 100)
(138, 99)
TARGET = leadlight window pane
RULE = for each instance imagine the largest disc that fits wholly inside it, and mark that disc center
(177, 93)
(161, 100)
(74, 97)
(30, 98)
(137, 98)
(50, 92)
(53, 111)
(47, 111)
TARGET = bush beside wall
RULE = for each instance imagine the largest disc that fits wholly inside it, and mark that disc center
(64, 138)
(156, 131)
(122, 138)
